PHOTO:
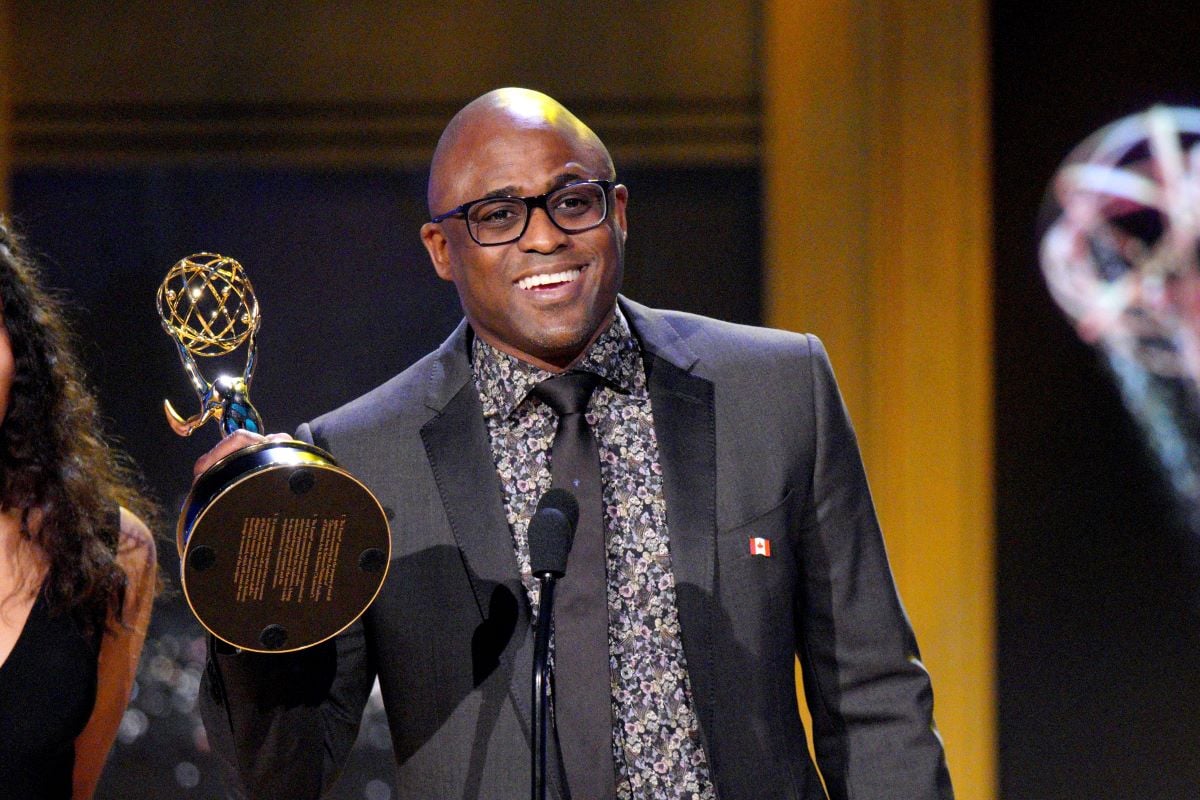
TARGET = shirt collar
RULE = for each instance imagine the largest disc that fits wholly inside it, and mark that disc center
(504, 380)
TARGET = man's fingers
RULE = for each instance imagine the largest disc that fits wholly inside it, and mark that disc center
(232, 443)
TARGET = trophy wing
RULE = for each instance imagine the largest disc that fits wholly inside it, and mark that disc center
(181, 426)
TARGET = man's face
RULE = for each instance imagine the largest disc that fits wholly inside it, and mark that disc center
(505, 290)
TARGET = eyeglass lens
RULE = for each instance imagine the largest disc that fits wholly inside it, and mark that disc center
(572, 208)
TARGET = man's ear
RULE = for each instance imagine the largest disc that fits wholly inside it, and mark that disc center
(435, 243)
(620, 195)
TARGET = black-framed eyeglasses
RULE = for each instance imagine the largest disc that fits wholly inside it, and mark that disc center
(573, 208)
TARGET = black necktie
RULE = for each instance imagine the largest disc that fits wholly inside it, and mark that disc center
(582, 686)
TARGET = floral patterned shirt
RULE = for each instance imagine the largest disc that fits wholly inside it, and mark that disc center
(656, 735)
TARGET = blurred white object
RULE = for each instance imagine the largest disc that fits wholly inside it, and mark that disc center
(1120, 252)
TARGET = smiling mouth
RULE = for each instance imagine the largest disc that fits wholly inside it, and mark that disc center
(548, 280)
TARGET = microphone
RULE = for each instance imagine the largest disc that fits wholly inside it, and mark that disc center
(551, 533)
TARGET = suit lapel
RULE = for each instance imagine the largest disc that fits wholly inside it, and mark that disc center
(684, 424)
(457, 445)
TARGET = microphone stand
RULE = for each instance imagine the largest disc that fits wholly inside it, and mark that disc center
(541, 676)
(551, 532)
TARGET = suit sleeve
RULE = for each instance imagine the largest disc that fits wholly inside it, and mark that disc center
(869, 694)
(284, 723)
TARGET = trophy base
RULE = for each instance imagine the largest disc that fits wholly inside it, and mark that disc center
(280, 549)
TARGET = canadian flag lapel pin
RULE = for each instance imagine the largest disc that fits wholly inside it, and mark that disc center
(760, 546)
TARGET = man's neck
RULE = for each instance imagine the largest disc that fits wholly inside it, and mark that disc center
(555, 365)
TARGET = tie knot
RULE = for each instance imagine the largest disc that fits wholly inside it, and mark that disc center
(567, 393)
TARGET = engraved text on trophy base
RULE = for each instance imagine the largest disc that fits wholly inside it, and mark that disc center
(297, 576)
(330, 546)
(254, 554)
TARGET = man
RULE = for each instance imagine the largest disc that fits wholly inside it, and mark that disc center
(736, 525)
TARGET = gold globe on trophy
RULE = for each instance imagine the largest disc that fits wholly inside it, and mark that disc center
(280, 548)
(208, 301)
(207, 305)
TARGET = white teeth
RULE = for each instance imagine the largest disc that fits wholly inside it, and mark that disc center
(554, 277)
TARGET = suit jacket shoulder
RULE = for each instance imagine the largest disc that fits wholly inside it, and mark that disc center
(726, 351)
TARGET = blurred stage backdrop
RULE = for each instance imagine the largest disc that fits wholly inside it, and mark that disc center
(869, 172)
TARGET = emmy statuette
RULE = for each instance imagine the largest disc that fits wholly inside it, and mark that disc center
(280, 548)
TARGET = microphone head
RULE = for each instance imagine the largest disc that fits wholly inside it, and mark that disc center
(563, 501)
(551, 532)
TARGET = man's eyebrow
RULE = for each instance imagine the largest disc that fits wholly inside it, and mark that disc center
(504, 191)
(564, 179)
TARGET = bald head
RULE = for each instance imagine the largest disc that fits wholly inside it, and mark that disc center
(498, 113)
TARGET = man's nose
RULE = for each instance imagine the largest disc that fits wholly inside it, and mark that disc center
(541, 234)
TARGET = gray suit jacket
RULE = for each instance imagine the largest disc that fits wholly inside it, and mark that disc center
(754, 442)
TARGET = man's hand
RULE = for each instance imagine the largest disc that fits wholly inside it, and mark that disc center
(232, 443)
